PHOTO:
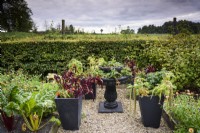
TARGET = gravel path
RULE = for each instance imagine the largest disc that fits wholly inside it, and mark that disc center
(94, 122)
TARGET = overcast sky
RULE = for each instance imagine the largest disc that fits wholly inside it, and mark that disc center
(112, 15)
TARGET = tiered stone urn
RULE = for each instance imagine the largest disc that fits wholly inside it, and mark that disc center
(110, 104)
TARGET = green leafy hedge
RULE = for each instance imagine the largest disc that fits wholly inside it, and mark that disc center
(47, 56)
(180, 54)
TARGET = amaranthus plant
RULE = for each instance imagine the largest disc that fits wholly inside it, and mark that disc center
(73, 86)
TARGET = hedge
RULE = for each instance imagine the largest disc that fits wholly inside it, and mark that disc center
(181, 55)
(52, 56)
(178, 54)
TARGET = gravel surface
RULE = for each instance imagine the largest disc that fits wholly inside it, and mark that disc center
(94, 122)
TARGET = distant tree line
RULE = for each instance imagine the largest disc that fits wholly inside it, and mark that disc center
(182, 26)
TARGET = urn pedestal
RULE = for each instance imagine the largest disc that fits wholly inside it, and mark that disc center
(110, 105)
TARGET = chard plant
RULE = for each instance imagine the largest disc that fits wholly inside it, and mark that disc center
(34, 105)
(9, 98)
(31, 103)
(8, 105)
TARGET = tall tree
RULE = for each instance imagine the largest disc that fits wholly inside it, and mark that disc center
(101, 31)
(128, 31)
(71, 29)
(15, 15)
(46, 25)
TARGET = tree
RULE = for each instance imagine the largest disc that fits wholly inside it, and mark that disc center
(15, 15)
(71, 29)
(101, 31)
(128, 31)
(46, 25)
(52, 28)
(35, 28)
(58, 27)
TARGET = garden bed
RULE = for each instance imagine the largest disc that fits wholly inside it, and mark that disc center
(182, 114)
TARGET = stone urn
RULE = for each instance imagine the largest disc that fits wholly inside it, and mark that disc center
(110, 104)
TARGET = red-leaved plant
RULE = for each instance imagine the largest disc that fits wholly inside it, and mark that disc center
(73, 86)
(132, 65)
(150, 69)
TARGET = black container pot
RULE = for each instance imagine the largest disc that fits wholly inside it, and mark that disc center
(50, 127)
(92, 95)
(112, 81)
(151, 110)
(8, 121)
(69, 110)
(108, 69)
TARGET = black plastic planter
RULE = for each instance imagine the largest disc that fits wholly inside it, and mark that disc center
(91, 95)
(108, 69)
(69, 110)
(8, 121)
(50, 127)
(151, 110)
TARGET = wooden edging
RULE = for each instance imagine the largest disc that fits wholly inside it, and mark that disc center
(170, 122)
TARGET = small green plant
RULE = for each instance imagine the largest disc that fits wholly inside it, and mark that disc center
(112, 74)
(113, 69)
(76, 66)
(126, 71)
(112, 63)
(101, 62)
(93, 69)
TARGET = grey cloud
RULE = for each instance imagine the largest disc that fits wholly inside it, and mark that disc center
(103, 12)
